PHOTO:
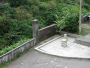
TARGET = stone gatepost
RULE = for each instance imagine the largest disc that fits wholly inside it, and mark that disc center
(35, 28)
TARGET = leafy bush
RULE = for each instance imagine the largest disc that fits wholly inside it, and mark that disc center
(68, 19)
(72, 24)
(16, 3)
(4, 26)
(15, 24)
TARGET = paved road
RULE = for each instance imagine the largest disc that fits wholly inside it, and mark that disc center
(35, 59)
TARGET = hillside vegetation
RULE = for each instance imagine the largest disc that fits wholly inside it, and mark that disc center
(16, 17)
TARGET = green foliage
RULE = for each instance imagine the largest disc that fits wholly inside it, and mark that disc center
(1, 66)
(84, 31)
(72, 24)
(16, 3)
(15, 23)
(4, 26)
(7, 49)
(16, 16)
(68, 19)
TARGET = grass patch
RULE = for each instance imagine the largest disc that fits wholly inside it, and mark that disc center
(1, 66)
(84, 31)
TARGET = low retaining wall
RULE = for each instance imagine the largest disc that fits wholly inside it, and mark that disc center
(13, 53)
(47, 32)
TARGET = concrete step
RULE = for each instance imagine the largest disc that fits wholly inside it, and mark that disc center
(84, 40)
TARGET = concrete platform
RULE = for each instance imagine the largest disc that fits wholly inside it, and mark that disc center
(36, 59)
(73, 50)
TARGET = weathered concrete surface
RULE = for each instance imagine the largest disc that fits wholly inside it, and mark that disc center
(73, 50)
(35, 59)
(84, 40)
(86, 26)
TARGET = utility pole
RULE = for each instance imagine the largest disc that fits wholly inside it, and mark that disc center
(80, 16)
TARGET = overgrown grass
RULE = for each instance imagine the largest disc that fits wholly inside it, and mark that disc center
(1, 66)
(84, 31)
(9, 48)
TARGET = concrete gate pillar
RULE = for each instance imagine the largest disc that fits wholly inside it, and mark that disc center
(35, 28)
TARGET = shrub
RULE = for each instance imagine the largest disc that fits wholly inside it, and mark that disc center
(68, 19)
(72, 24)
(16, 3)
(4, 25)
